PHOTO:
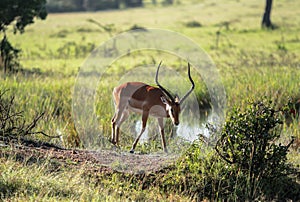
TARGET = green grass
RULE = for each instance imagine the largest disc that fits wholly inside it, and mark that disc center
(43, 181)
(253, 63)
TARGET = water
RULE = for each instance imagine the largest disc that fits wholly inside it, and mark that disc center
(189, 129)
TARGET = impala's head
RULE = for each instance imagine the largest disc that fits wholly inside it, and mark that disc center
(173, 103)
(172, 108)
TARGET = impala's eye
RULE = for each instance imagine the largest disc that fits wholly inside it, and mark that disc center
(172, 111)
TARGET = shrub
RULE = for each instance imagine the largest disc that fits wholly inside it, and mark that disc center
(193, 23)
(249, 142)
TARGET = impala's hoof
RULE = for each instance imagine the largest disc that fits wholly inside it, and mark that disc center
(112, 141)
(131, 151)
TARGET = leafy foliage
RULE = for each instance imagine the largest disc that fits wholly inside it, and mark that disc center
(21, 13)
(249, 142)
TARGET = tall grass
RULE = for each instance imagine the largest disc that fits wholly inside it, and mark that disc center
(47, 181)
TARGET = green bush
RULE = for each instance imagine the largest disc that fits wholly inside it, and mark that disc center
(249, 143)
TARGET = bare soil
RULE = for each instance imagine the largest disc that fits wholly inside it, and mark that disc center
(106, 161)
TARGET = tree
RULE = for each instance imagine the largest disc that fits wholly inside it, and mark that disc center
(19, 14)
(266, 21)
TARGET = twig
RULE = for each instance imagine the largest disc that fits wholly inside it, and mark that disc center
(41, 132)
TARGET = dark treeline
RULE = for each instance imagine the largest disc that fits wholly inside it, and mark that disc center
(94, 5)
(89, 5)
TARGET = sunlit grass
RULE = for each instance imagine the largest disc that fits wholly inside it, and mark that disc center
(43, 181)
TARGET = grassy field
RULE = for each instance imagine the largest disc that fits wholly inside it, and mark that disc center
(253, 63)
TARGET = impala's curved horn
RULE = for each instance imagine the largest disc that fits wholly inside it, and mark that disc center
(162, 88)
(193, 85)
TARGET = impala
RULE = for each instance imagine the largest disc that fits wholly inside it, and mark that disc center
(146, 100)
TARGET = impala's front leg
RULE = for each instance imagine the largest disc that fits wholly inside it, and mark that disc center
(144, 123)
(162, 133)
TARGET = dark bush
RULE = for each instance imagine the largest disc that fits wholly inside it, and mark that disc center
(193, 23)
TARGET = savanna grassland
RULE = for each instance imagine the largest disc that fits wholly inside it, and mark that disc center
(254, 64)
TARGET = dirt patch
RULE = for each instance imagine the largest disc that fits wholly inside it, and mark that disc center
(101, 160)
(133, 163)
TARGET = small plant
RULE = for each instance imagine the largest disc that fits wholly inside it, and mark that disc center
(193, 23)
(249, 143)
(136, 27)
(12, 122)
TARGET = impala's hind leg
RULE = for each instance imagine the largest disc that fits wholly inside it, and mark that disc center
(124, 116)
(119, 117)
(113, 129)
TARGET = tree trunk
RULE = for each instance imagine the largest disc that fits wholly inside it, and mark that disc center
(266, 21)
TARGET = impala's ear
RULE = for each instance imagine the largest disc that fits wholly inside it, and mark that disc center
(177, 99)
(164, 100)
